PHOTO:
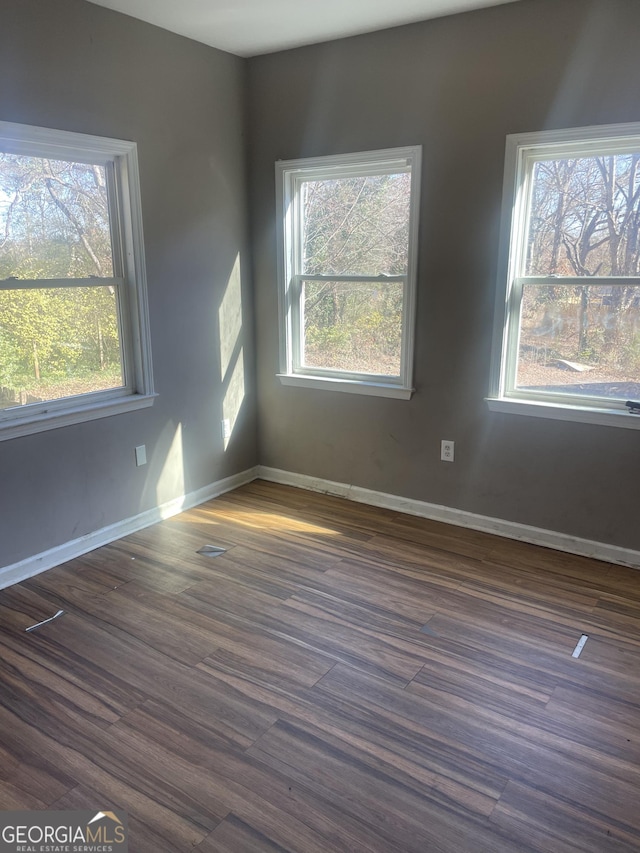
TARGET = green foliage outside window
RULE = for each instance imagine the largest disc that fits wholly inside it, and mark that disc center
(54, 224)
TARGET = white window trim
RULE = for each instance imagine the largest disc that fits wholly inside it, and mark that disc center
(349, 386)
(136, 344)
(520, 149)
(288, 173)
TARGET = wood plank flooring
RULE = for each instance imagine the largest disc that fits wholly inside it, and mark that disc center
(342, 678)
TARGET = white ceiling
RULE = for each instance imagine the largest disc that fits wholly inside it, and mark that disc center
(251, 27)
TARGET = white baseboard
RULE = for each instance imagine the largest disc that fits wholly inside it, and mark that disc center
(31, 566)
(449, 515)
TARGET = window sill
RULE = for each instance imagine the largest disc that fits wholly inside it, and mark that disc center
(30, 424)
(556, 411)
(348, 386)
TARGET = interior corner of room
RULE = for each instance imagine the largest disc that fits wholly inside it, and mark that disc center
(209, 127)
(306, 548)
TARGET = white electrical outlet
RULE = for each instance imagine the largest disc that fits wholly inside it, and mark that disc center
(226, 429)
(446, 450)
(141, 455)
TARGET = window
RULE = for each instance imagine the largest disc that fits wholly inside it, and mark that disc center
(347, 270)
(568, 315)
(74, 341)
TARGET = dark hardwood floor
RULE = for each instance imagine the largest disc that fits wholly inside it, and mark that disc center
(343, 678)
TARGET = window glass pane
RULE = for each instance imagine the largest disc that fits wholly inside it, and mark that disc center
(57, 343)
(585, 217)
(580, 340)
(54, 219)
(356, 226)
(355, 327)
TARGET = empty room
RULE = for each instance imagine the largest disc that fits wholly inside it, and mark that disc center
(319, 426)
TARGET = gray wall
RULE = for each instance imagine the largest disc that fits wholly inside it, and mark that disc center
(457, 86)
(72, 65)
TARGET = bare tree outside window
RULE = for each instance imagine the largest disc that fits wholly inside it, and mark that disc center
(347, 247)
(582, 336)
(355, 227)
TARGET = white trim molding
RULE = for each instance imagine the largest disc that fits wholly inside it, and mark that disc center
(460, 518)
(291, 178)
(38, 563)
(127, 281)
(518, 273)
(32, 566)
(559, 412)
(350, 386)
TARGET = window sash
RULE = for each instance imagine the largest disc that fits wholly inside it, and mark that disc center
(62, 404)
(348, 278)
(523, 152)
(120, 162)
(511, 390)
(297, 328)
(290, 177)
(126, 389)
(54, 283)
(340, 172)
(576, 281)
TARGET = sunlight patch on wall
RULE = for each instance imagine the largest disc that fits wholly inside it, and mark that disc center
(233, 397)
(230, 319)
(231, 351)
(170, 485)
